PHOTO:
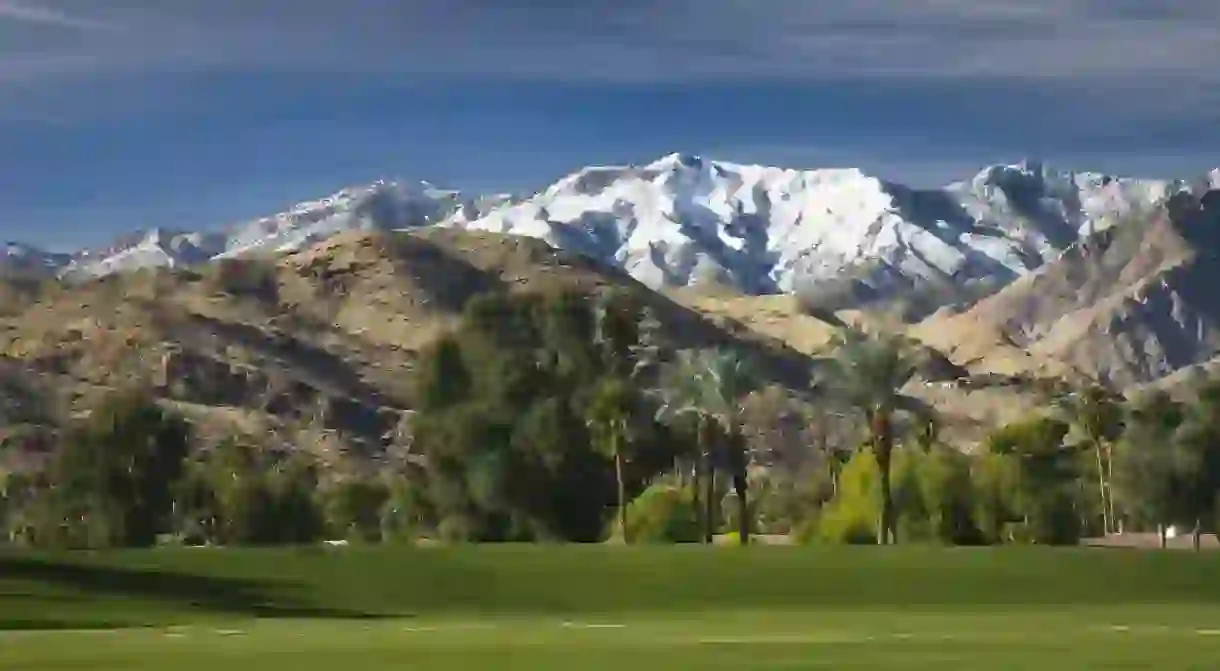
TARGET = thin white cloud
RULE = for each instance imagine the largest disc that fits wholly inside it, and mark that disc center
(1131, 57)
(21, 12)
(672, 41)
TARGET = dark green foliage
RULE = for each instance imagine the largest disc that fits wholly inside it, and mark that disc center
(504, 416)
(1145, 467)
(294, 510)
(1046, 475)
(1196, 464)
(407, 513)
(948, 496)
(353, 509)
(237, 494)
(114, 477)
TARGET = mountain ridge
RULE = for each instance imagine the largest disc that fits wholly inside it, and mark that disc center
(683, 220)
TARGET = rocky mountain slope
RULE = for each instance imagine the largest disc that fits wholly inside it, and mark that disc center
(1127, 307)
(311, 348)
(684, 220)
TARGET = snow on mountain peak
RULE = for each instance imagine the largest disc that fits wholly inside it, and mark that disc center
(684, 219)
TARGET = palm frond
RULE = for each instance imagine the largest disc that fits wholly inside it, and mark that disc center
(865, 369)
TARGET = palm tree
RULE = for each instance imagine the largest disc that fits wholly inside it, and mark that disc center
(1096, 413)
(711, 383)
(867, 370)
(728, 379)
(608, 417)
(682, 397)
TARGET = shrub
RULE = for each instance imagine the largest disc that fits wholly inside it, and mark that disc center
(847, 525)
(734, 538)
(663, 514)
(246, 277)
(851, 516)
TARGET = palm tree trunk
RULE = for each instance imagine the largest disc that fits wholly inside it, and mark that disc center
(622, 494)
(704, 444)
(1101, 488)
(709, 531)
(887, 506)
(743, 510)
(1197, 535)
(883, 448)
(1114, 518)
(1161, 533)
(696, 499)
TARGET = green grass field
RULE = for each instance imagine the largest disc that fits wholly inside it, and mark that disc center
(542, 608)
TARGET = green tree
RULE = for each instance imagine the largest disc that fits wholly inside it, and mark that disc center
(995, 479)
(684, 402)
(947, 492)
(503, 418)
(407, 513)
(1197, 462)
(712, 384)
(609, 416)
(235, 501)
(116, 471)
(295, 514)
(1097, 415)
(1046, 472)
(353, 508)
(868, 370)
(1145, 461)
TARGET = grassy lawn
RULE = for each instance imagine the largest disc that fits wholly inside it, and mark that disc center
(593, 608)
(1136, 638)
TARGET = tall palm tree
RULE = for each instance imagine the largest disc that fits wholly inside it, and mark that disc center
(711, 384)
(867, 370)
(608, 417)
(682, 398)
(728, 379)
(1096, 412)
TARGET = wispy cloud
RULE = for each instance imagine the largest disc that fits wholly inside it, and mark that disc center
(635, 40)
(1130, 57)
(20, 12)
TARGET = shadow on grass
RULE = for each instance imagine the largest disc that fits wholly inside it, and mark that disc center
(224, 596)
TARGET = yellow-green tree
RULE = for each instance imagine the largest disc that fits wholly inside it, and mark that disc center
(867, 370)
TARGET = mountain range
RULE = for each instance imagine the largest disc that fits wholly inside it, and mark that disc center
(304, 326)
(684, 220)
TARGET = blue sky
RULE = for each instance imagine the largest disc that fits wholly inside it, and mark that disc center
(125, 114)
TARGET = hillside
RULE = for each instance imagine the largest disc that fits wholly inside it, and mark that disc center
(313, 348)
(1128, 307)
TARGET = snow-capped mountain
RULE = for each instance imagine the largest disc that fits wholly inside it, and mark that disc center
(684, 219)
(379, 205)
(763, 229)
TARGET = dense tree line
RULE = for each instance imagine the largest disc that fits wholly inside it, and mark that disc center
(556, 417)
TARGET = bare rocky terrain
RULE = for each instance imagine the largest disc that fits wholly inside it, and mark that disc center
(312, 349)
